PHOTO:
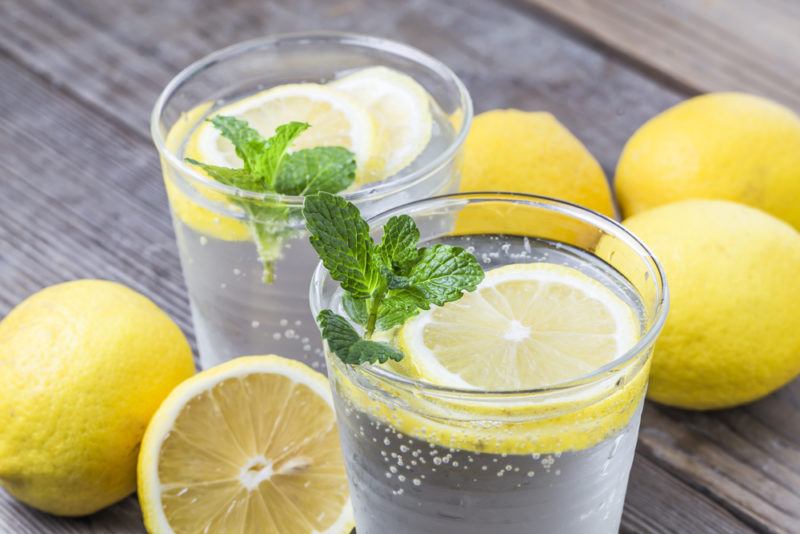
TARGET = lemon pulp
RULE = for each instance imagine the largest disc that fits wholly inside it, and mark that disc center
(381, 115)
(250, 445)
(527, 326)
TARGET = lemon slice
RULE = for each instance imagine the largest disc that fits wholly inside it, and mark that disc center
(336, 119)
(248, 446)
(401, 108)
(526, 326)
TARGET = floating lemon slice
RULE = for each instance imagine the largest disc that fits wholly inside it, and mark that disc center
(336, 119)
(401, 108)
(526, 326)
(248, 446)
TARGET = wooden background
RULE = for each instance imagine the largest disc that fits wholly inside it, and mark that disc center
(81, 194)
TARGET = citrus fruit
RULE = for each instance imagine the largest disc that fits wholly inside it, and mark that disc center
(195, 204)
(531, 152)
(247, 446)
(733, 330)
(400, 107)
(85, 365)
(526, 326)
(335, 118)
(729, 146)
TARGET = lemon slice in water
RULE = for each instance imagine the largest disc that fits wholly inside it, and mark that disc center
(526, 326)
(336, 119)
(248, 446)
(401, 108)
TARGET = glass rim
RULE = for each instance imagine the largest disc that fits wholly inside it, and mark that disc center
(598, 220)
(386, 46)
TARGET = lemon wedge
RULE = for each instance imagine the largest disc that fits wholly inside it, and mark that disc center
(336, 119)
(248, 446)
(401, 108)
(526, 326)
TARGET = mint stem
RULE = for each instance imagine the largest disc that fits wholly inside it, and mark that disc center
(372, 318)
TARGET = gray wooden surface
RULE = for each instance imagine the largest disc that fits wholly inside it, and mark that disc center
(81, 194)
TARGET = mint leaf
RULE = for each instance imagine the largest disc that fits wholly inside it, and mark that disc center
(366, 351)
(249, 144)
(356, 309)
(338, 333)
(341, 238)
(384, 284)
(268, 168)
(348, 346)
(444, 272)
(329, 168)
(399, 306)
(241, 178)
(398, 246)
(268, 161)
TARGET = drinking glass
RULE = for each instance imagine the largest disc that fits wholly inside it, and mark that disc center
(422, 458)
(234, 310)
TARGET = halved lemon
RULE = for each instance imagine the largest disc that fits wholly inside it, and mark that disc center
(248, 446)
(526, 326)
(401, 108)
(336, 119)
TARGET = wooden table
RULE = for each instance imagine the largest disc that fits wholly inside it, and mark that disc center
(82, 196)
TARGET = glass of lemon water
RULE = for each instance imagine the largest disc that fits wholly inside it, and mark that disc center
(401, 112)
(515, 409)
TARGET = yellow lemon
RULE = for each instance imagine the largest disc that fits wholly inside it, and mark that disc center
(247, 446)
(529, 152)
(401, 109)
(729, 146)
(733, 330)
(527, 325)
(85, 364)
(336, 119)
(549, 324)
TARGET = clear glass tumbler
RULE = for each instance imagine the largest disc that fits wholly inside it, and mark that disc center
(235, 312)
(427, 459)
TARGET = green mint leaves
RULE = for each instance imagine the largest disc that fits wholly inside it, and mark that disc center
(341, 238)
(385, 284)
(347, 344)
(326, 168)
(268, 167)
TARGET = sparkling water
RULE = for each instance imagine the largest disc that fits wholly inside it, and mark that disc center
(235, 313)
(410, 485)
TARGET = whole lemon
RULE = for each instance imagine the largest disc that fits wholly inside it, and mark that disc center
(529, 152)
(733, 330)
(84, 366)
(729, 146)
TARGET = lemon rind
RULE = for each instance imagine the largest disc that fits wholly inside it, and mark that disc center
(148, 479)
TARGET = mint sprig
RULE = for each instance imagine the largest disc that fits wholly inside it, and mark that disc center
(385, 283)
(268, 167)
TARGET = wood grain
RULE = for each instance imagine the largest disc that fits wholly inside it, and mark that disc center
(713, 45)
(84, 197)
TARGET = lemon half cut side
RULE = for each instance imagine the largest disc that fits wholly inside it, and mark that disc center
(248, 446)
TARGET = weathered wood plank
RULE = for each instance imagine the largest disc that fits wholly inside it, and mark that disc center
(747, 45)
(658, 503)
(86, 197)
(600, 99)
(122, 518)
(83, 199)
(755, 485)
